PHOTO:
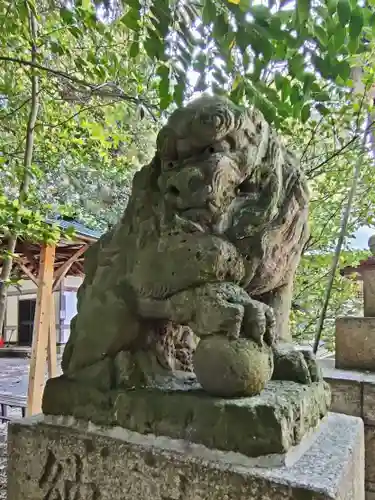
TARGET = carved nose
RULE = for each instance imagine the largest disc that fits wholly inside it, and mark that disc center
(188, 189)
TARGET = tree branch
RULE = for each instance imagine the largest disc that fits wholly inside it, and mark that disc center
(339, 151)
(109, 89)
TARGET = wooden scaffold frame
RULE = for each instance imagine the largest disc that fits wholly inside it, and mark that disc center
(47, 266)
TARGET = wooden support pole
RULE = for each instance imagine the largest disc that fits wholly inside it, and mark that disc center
(41, 331)
(51, 353)
(64, 269)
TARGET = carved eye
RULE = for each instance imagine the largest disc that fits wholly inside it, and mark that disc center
(167, 164)
(219, 147)
(246, 187)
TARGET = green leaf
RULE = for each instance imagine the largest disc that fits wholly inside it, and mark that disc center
(321, 96)
(260, 12)
(344, 11)
(332, 6)
(321, 34)
(164, 86)
(279, 80)
(322, 109)
(66, 15)
(220, 27)
(131, 21)
(308, 80)
(256, 37)
(339, 37)
(178, 93)
(285, 90)
(344, 70)
(56, 48)
(353, 45)
(238, 91)
(296, 66)
(134, 49)
(162, 14)
(153, 45)
(356, 24)
(208, 12)
(295, 96)
(269, 111)
(322, 65)
(303, 10)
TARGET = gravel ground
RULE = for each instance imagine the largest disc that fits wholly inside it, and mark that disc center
(3, 450)
(3, 454)
(14, 374)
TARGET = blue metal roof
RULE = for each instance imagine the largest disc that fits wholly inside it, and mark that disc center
(79, 228)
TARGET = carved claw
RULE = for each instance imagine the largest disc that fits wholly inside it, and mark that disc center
(295, 365)
(259, 323)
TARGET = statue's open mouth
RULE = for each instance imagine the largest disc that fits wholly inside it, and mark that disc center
(203, 214)
(200, 215)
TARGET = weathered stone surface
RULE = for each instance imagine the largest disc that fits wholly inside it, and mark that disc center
(272, 422)
(208, 245)
(292, 364)
(346, 388)
(55, 459)
(346, 397)
(355, 343)
(368, 277)
(368, 411)
(353, 393)
(370, 453)
(232, 367)
(370, 486)
(369, 490)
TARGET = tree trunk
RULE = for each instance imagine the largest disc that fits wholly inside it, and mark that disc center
(24, 186)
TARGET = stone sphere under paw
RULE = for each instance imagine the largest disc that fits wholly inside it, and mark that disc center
(232, 367)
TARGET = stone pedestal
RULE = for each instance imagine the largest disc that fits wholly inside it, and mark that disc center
(355, 336)
(355, 343)
(369, 292)
(352, 374)
(353, 393)
(268, 424)
(54, 458)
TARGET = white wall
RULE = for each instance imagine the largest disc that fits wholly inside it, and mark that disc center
(72, 281)
(65, 307)
(26, 290)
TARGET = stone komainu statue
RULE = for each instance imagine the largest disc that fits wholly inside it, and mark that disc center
(208, 245)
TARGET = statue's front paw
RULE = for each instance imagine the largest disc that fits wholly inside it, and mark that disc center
(312, 365)
(259, 323)
(297, 366)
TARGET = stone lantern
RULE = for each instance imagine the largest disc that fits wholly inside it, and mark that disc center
(355, 336)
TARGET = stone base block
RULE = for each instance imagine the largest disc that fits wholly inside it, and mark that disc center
(61, 458)
(273, 422)
(353, 393)
(355, 343)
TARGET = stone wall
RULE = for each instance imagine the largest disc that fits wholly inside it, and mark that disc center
(353, 393)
